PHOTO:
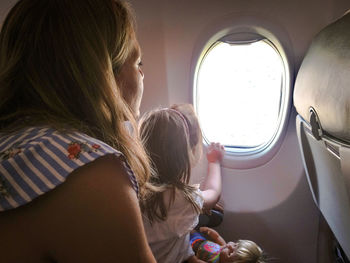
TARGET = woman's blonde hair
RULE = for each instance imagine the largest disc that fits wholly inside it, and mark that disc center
(165, 134)
(248, 252)
(58, 64)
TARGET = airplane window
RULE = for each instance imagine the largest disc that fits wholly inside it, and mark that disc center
(239, 93)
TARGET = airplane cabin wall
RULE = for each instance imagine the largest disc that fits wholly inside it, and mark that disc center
(270, 204)
(168, 32)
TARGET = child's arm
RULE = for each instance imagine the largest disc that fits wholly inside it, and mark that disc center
(211, 187)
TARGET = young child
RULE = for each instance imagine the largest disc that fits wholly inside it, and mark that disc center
(209, 246)
(172, 138)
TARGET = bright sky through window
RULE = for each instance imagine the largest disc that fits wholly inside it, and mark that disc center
(239, 91)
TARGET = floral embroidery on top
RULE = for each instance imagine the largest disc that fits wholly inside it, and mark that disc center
(4, 190)
(11, 152)
(75, 148)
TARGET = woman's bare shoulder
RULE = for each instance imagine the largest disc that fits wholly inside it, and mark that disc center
(94, 216)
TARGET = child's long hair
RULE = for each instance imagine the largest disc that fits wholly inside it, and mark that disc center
(58, 64)
(195, 131)
(166, 135)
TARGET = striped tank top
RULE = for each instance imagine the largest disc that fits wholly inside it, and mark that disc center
(36, 160)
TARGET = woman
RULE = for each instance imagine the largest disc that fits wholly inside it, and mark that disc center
(70, 172)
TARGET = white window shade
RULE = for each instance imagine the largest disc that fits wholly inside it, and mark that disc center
(240, 91)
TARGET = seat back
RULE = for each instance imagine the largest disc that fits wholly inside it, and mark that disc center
(322, 100)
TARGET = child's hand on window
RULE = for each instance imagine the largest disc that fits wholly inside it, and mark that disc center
(215, 153)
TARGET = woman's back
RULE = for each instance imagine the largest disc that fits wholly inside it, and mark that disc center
(64, 223)
(79, 221)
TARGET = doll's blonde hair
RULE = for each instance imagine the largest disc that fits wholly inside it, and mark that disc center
(248, 252)
(166, 135)
(58, 63)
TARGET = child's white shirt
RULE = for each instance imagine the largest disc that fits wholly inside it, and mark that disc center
(170, 239)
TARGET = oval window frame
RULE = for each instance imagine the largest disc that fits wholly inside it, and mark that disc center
(244, 31)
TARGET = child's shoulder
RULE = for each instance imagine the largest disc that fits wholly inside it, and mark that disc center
(182, 207)
(196, 195)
